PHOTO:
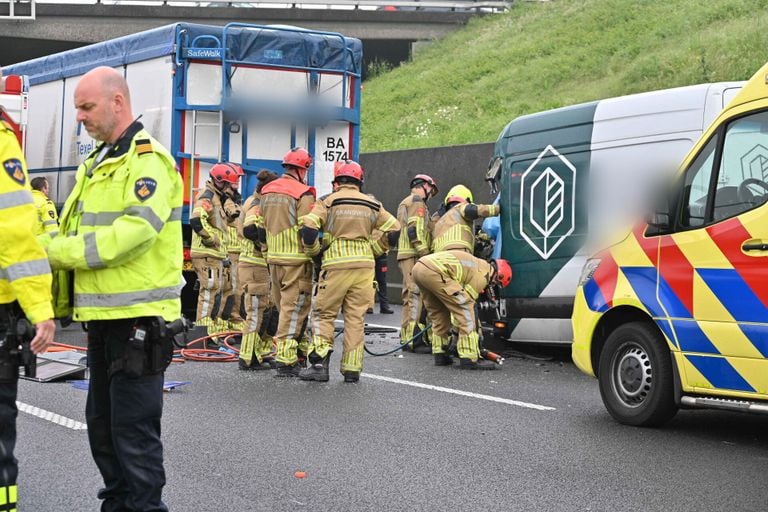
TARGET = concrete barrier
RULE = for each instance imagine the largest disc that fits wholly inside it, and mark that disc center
(388, 174)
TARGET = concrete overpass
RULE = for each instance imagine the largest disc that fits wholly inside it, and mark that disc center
(387, 35)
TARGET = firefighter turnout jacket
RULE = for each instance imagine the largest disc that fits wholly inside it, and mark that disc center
(348, 217)
(252, 240)
(209, 224)
(24, 271)
(413, 216)
(47, 219)
(121, 233)
(284, 203)
(455, 229)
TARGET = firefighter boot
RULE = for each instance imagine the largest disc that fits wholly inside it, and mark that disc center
(317, 370)
(351, 376)
(287, 370)
(443, 360)
(480, 364)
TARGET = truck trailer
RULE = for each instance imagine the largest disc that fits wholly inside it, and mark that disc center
(240, 93)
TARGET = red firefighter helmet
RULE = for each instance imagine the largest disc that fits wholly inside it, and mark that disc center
(348, 168)
(225, 171)
(298, 157)
(503, 272)
(424, 178)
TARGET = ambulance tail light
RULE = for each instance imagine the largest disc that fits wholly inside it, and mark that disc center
(187, 254)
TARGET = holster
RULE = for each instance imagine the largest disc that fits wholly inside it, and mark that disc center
(16, 333)
(149, 349)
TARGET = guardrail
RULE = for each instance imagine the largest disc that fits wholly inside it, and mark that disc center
(25, 9)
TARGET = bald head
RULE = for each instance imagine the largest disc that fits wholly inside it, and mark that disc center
(103, 103)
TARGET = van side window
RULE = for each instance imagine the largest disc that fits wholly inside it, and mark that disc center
(741, 183)
(697, 180)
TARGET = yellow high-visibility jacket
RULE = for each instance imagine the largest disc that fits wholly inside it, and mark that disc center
(121, 234)
(24, 272)
(47, 218)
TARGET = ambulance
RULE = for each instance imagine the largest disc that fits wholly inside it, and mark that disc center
(675, 314)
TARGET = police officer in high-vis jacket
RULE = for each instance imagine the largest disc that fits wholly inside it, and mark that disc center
(455, 227)
(450, 282)
(25, 280)
(121, 238)
(414, 242)
(47, 218)
(284, 203)
(348, 218)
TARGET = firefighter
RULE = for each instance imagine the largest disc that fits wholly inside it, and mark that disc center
(450, 282)
(123, 245)
(348, 218)
(209, 224)
(256, 347)
(47, 218)
(25, 276)
(455, 228)
(284, 203)
(230, 318)
(414, 242)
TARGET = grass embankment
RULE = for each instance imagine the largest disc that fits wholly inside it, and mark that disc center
(466, 87)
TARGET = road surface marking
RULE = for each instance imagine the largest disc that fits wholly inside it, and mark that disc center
(459, 392)
(51, 416)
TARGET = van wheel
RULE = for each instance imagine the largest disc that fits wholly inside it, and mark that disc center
(635, 376)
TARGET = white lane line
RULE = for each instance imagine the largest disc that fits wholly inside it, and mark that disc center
(51, 416)
(460, 392)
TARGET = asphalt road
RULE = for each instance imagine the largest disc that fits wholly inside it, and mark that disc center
(409, 436)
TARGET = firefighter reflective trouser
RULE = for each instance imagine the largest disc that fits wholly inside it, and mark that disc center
(123, 416)
(230, 295)
(351, 291)
(209, 276)
(411, 302)
(445, 299)
(292, 292)
(255, 290)
(8, 465)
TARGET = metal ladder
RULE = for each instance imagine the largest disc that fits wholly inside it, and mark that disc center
(193, 150)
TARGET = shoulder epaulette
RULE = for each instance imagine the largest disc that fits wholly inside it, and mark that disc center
(143, 146)
(417, 198)
(207, 195)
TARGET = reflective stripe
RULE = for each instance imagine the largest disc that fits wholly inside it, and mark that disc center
(92, 257)
(99, 219)
(24, 269)
(175, 214)
(108, 218)
(16, 198)
(125, 299)
(50, 223)
(148, 214)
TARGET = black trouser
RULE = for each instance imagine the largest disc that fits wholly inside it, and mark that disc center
(123, 416)
(381, 280)
(9, 468)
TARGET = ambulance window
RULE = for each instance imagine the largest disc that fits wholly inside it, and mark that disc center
(741, 184)
(697, 180)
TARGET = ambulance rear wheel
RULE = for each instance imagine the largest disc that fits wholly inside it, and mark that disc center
(635, 376)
